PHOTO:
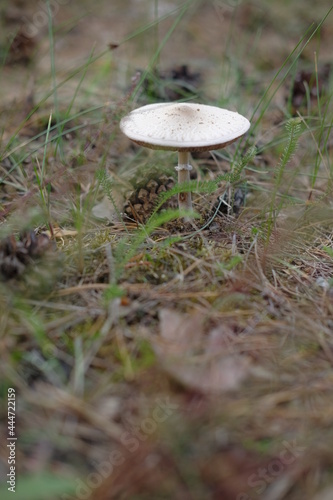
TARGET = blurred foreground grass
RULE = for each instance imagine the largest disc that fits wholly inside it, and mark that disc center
(158, 359)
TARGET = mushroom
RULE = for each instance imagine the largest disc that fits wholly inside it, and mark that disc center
(183, 127)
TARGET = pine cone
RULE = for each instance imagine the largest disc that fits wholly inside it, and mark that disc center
(140, 202)
(17, 255)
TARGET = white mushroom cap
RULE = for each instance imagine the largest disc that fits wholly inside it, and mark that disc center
(183, 126)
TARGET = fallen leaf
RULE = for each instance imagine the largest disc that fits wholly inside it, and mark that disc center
(180, 333)
(105, 209)
(186, 353)
(210, 376)
(60, 233)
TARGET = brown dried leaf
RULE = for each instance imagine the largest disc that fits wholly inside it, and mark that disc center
(210, 376)
(180, 333)
(186, 354)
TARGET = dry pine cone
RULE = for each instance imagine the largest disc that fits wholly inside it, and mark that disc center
(17, 254)
(140, 203)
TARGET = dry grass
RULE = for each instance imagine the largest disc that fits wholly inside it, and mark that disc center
(147, 367)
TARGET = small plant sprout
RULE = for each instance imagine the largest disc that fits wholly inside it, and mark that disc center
(183, 127)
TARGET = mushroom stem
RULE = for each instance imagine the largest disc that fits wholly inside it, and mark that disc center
(183, 168)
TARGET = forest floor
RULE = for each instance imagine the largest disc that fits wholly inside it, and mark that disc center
(148, 357)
